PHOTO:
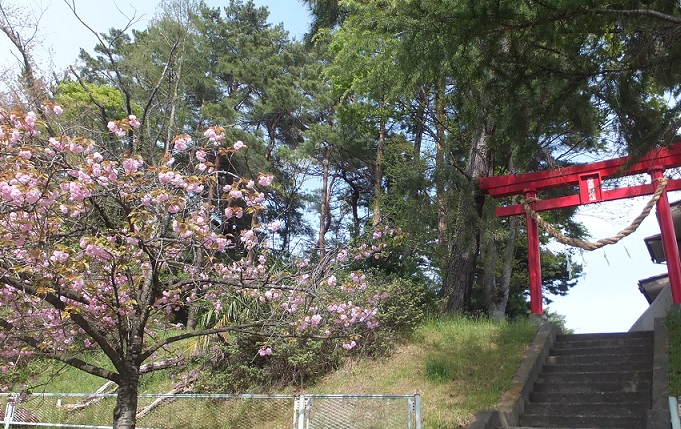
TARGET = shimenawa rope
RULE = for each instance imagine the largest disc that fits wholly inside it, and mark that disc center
(587, 245)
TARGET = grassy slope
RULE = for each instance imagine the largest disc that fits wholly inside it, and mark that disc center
(458, 366)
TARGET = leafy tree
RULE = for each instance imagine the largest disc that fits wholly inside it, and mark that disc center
(509, 82)
(99, 251)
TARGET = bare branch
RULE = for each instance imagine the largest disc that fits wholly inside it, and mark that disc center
(60, 356)
(636, 12)
(191, 334)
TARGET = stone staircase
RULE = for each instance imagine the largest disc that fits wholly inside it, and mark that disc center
(593, 381)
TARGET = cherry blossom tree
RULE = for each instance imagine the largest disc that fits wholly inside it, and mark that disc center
(100, 251)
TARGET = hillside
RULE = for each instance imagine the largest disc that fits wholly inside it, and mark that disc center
(457, 365)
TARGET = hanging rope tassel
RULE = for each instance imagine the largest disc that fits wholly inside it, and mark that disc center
(587, 245)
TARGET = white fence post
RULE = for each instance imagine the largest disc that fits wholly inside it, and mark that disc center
(302, 408)
(9, 412)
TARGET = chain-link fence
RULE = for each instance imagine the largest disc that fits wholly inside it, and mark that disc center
(189, 411)
(359, 412)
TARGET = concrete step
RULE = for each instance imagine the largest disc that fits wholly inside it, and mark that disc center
(606, 336)
(595, 377)
(593, 409)
(624, 386)
(604, 343)
(643, 365)
(583, 349)
(634, 398)
(599, 381)
(600, 359)
(554, 421)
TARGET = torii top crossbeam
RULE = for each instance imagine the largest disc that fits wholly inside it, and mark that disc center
(589, 178)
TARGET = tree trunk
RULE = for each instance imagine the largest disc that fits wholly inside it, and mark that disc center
(440, 191)
(124, 415)
(325, 212)
(354, 203)
(173, 109)
(504, 286)
(271, 132)
(378, 175)
(465, 242)
(419, 121)
(497, 290)
(460, 271)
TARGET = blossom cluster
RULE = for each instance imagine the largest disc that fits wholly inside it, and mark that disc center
(121, 127)
(92, 245)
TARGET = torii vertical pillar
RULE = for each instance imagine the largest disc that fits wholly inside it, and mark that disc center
(671, 249)
(533, 259)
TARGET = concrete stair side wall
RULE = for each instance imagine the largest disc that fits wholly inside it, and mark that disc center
(659, 415)
(658, 309)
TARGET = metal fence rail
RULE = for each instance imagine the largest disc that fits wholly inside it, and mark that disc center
(218, 411)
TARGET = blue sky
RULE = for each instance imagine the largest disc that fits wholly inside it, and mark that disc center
(606, 299)
(60, 35)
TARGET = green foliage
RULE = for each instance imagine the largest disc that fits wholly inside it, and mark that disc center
(79, 99)
(407, 304)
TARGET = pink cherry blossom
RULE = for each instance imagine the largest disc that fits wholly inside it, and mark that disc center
(133, 122)
(182, 142)
(130, 165)
(267, 351)
(265, 180)
(349, 345)
(214, 134)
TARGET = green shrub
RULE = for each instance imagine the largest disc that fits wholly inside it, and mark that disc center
(237, 366)
(407, 304)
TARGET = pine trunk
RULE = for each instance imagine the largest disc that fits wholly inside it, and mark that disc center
(325, 212)
(378, 175)
(440, 191)
(504, 286)
(465, 240)
(460, 271)
(497, 290)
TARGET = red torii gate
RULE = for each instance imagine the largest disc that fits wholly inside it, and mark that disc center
(589, 178)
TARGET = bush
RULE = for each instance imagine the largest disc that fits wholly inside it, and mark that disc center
(407, 304)
(237, 366)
